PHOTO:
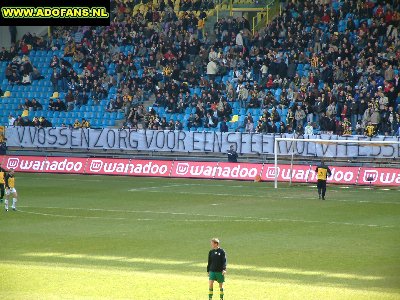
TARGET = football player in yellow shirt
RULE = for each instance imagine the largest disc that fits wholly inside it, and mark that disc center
(2, 183)
(323, 172)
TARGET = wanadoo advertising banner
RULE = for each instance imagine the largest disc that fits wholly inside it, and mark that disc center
(128, 167)
(379, 176)
(303, 173)
(193, 169)
(187, 142)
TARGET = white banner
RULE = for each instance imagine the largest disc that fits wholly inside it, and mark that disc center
(183, 141)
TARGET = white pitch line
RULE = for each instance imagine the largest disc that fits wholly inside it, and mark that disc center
(68, 216)
(365, 201)
(149, 188)
(235, 218)
(154, 190)
(66, 179)
(353, 190)
(332, 188)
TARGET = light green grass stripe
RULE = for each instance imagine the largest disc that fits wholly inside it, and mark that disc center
(36, 281)
(150, 261)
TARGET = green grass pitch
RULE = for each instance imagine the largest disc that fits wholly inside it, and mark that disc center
(98, 237)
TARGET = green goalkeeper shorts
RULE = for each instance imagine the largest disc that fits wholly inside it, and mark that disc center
(217, 276)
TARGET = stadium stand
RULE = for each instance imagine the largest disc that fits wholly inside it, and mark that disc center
(334, 64)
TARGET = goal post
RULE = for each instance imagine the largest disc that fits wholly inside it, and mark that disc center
(293, 140)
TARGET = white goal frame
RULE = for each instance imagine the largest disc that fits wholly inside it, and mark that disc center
(320, 141)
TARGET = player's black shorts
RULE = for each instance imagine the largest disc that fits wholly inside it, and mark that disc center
(321, 183)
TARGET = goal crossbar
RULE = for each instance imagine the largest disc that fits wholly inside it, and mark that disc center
(321, 141)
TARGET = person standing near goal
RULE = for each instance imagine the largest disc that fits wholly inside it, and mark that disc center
(323, 172)
(216, 268)
(232, 154)
(10, 190)
(2, 183)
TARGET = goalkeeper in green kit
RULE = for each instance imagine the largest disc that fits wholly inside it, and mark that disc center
(216, 268)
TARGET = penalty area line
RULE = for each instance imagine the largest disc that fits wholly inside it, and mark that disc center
(68, 216)
(221, 217)
(155, 190)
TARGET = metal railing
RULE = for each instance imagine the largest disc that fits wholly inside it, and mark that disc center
(264, 10)
(264, 17)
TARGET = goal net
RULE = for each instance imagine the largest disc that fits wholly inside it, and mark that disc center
(331, 149)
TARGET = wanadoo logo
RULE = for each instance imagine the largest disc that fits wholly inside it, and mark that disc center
(210, 171)
(43, 164)
(12, 163)
(298, 173)
(126, 167)
(307, 174)
(271, 172)
(370, 176)
(96, 165)
(182, 168)
(382, 176)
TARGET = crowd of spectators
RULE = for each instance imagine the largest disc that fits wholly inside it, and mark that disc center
(350, 53)
(20, 71)
(331, 66)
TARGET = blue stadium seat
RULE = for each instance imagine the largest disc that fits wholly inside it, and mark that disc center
(335, 5)
(98, 115)
(235, 104)
(278, 92)
(97, 108)
(95, 123)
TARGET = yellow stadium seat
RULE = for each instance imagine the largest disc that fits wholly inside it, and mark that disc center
(235, 118)
(7, 94)
(25, 113)
(55, 95)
